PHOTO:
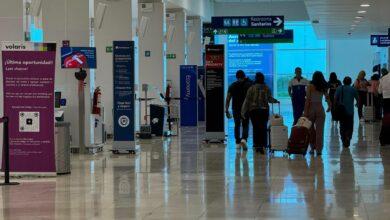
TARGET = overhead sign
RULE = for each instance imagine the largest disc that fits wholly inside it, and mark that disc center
(248, 25)
(380, 40)
(29, 71)
(286, 37)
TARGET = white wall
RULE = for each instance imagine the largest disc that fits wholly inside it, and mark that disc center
(292, 10)
(203, 8)
(116, 26)
(69, 20)
(194, 48)
(176, 45)
(348, 56)
(11, 29)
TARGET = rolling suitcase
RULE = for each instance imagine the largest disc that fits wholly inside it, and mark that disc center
(299, 140)
(384, 137)
(369, 110)
(276, 119)
(278, 133)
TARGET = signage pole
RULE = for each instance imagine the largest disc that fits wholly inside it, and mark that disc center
(6, 153)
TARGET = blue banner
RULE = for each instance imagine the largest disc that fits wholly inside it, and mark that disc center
(380, 40)
(201, 94)
(188, 96)
(123, 54)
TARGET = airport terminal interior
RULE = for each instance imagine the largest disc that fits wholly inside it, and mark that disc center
(195, 109)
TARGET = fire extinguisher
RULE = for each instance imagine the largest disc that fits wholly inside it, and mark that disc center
(97, 101)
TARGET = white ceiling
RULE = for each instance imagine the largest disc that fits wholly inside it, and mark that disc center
(336, 16)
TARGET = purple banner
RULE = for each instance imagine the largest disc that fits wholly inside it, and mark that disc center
(29, 104)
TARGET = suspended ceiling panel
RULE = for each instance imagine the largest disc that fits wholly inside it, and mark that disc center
(337, 18)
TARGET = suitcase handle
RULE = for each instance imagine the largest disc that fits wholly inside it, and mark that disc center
(272, 106)
(370, 99)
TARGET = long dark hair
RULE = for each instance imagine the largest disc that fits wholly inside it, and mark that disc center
(333, 77)
(319, 81)
(259, 79)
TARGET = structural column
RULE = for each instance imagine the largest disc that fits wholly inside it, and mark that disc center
(194, 40)
(115, 26)
(151, 37)
(11, 29)
(69, 20)
(176, 47)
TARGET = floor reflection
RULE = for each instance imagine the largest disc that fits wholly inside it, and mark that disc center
(183, 178)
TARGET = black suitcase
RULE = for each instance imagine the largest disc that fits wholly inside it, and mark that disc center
(385, 131)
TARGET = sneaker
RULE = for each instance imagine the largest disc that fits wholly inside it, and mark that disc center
(244, 145)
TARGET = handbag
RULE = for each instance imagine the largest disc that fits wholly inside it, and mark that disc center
(339, 109)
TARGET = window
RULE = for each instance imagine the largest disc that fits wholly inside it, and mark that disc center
(307, 52)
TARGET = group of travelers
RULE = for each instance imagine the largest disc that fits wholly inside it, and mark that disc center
(250, 102)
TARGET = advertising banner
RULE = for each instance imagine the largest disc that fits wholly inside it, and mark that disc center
(188, 96)
(123, 65)
(78, 57)
(201, 94)
(28, 71)
(215, 92)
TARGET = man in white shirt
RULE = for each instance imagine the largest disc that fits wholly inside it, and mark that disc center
(297, 92)
(384, 89)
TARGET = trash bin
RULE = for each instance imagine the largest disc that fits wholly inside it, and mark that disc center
(62, 147)
(157, 119)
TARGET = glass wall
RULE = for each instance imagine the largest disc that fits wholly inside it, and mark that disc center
(306, 52)
(277, 61)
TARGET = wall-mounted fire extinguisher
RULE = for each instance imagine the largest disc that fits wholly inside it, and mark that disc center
(97, 102)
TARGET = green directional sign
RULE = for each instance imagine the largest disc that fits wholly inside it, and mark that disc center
(286, 37)
(171, 56)
(109, 49)
(226, 31)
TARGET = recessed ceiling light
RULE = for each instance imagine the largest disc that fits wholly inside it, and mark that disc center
(353, 25)
(359, 17)
(364, 5)
(362, 12)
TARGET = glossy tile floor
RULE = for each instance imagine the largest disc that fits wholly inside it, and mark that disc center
(181, 178)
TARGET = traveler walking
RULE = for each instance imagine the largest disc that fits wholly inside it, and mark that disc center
(314, 110)
(361, 85)
(374, 94)
(237, 93)
(384, 90)
(333, 84)
(345, 96)
(297, 92)
(257, 109)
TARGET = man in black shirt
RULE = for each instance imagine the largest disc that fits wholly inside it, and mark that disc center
(237, 92)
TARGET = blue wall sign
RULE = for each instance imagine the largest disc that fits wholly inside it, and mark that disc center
(189, 95)
(201, 94)
(123, 54)
(380, 40)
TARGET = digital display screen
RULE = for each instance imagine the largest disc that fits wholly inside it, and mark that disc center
(250, 58)
(78, 57)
